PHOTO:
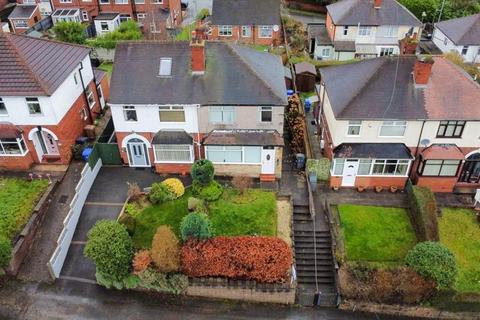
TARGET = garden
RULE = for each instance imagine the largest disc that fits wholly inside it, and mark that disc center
(18, 197)
(172, 232)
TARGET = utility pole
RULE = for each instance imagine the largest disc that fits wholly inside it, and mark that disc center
(441, 11)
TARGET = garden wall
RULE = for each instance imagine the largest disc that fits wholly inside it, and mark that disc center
(26, 238)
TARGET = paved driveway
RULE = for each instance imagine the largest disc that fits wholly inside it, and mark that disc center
(104, 201)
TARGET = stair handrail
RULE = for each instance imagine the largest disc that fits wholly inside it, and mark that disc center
(311, 208)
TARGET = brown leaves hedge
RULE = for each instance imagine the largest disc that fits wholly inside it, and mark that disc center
(264, 259)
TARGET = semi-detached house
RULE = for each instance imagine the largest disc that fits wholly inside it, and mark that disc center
(388, 119)
(48, 94)
(173, 103)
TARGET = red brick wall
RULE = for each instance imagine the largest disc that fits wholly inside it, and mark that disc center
(371, 182)
(18, 163)
(162, 168)
(331, 28)
(254, 39)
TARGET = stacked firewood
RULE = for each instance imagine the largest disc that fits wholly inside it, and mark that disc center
(295, 123)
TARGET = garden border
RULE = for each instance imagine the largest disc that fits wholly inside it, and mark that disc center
(26, 237)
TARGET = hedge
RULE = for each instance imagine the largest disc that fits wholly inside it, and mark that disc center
(263, 259)
(321, 167)
(423, 213)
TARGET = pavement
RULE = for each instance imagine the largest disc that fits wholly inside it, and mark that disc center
(194, 7)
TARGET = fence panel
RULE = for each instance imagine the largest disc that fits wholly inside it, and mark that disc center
(109, 153)
(70, 223)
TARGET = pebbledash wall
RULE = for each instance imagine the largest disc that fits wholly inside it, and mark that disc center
(276, 38)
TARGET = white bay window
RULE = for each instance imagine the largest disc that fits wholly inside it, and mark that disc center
(175, 153)
(12, 147)
(374, 167)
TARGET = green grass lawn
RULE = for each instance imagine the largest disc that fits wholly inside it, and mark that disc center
(186, 33)
(18, 197)
(377, 235)
(233, 214)
(107, 67)
(460, 232)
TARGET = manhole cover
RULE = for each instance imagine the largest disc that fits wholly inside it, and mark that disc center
(63, 199)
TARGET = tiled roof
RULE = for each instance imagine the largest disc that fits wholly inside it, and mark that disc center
(374, 89)
(22, 11)
(354, 12)
(373, 151)
(462, 31)
(246, 12)
(244, 138)
(30, 66)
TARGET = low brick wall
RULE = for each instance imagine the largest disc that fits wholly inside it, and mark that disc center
(220, 288)
(27, 236)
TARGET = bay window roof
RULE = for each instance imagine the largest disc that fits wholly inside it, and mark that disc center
(172, 137)
(244, 138)
(9, 131)
(443, 152)
(373, 151)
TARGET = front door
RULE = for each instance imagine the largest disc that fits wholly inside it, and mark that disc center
(45, 144)
(138, 154)
(350, 173)
(268, 160)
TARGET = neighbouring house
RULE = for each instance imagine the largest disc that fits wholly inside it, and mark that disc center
(23, 17)
(387, 119)
(365, 29)
(173, 103)
(461, 35)
(45, 6)
(106, 22)
(47, 97)
(305, 76)
(246, 21)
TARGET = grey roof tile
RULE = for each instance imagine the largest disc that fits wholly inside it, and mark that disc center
(462, 31)
(22, 11)
(246, 12)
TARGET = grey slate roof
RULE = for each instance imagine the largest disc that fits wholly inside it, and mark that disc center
(30, 66)
(107, 16)
(244, 138)
(234, 75)
(373, 151)
(462, 31)
(305, 67)
(353, 12)
(348, 46)
(319, 32)
(172, 137)
(246, 12)
(22, 11)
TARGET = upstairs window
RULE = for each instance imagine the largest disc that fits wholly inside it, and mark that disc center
(354, 127)
(450, 129)
(393, 129)
(265, 32)
(121, 1)
(165, 69)
(345, 30)
(224, 115)
(171, 114)
(225, 31)
(464, 50)
(130, 113)
(90, 97)
(34, 106)
(364, 31)
(266, 114)
(3, 108)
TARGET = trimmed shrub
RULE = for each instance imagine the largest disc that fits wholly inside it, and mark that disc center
(263, 259)
(210, 192)
(195, 204)
(169, 283)
(175, 186)
(160, 193)
(134, 192)
(196, 226)
(5, 251)
(110, 247)
(321, 167)
(203, 171)
(165, 250)
(141, 261)
(128, 221)
(423, 213)
(433, 261)
(129, 282)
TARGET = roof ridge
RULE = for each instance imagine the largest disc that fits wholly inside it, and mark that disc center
(24, 62)
(474, 23)
(461, 70)
(250, 67)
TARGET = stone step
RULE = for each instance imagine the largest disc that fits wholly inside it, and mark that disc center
(309, 234)
(311, 280)
(307, 297)
(311, 262)
(308, 247)
(300, 217)
(308, 243)
(309, 253)
(301, 210)
(311, 273)
(306, 268)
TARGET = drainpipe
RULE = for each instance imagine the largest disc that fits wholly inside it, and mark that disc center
(416, 150)
(85, 92)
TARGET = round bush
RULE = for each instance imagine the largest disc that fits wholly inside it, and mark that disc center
(141, 261)
(203, 171)
(433, 261)
(196, 225)
(5, 251)
(110, 247)
(175, 186)
(210, 192)
(160, 193)
(165, 250)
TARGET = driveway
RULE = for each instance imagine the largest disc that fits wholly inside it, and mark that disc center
(104, 201)
(194, 7)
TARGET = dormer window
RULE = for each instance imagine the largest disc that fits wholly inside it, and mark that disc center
(165, 67)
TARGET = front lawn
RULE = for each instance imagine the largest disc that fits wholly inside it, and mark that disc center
(381, 236)
(460, 232)
(234, 214)
(18, 197)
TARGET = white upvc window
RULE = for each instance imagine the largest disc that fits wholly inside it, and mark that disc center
(337, 167)
(224, 115)
(33, 106)
(90, 97)
(84, 15)
(121, 1)
(3, 108)
(157, 1)
(104, 1)
(234, 154)
(139, 2)
(354, 127)
(141, 17)
(165, 69)
(325, 52)
(374, 167)
(173, 153)
(393, 129)
(12, 147)
(265, 31)
(130, 113)
(388, 31)
(364, 31)
(20, 24)
(104, 26)
(171, 113)
(225, 31)
(65, 1)
(246, 31)
(345, 30)
(386, 51)
(266, 114)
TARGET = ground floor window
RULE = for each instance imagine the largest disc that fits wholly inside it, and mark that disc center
(439, 168)
(12, 146)
(386, 51)
(471, 169)
(234, 154)
(173, 153)
(265, 31)
(373, 167)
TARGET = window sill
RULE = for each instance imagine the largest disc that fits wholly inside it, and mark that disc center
(14, 155)
(173, 162)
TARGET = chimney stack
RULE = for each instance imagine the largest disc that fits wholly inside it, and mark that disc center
(197, 46)
(377, 4)
(422, 70)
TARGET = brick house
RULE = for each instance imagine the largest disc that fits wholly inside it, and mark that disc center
(45, 6)
(23, 17)
(365, 29)
(246, 21)
(47, 96)
(381, 127)
(176, 102)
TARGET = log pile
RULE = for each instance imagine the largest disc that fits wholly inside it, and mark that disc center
(295, 124)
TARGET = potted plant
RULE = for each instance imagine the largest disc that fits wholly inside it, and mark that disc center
(335, 188)
(393, 189)
(361, 188)
(378, 189)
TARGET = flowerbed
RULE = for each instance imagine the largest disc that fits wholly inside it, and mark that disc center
(263, 259)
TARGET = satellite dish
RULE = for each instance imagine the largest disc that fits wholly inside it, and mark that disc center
(276, 28)
(425, 142)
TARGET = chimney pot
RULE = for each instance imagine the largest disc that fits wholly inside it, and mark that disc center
(377, 4)
(422, 70)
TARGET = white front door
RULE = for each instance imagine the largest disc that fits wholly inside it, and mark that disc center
(45, 144)
(268, 160)
(350, 173)
(138, 154)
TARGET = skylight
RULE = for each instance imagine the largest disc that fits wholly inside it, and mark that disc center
(165, 67)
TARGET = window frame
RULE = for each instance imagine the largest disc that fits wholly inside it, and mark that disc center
(246, 34)
(262, 28)
(37, 102)
(424, 163)
(465, 50)
(395, 123)
(102, 24)
(225, 30)
(141, 17)
(222, 110)
(171, 109)
(345, 30)
(121, 2)
(337, 162)
(364, 31)
(3, 106)
(358, 123)
(167, 63)
(19, 141)
(447, 123)
(126, 110)
(387, 51)
(90, 97)
(267, 110)
(325, 55)
(190, 149)
(85, 15)
(241, 149)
